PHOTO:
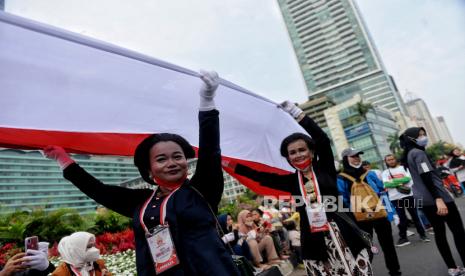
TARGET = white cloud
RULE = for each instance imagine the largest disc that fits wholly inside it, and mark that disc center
(421, 41)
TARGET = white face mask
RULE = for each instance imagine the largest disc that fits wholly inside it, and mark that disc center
(356, 166)
(422, 141)
(92, 254)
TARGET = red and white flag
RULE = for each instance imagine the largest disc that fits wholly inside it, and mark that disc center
(88, 96)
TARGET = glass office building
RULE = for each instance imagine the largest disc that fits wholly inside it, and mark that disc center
(29, 181)
(369, 133)
(336, 54)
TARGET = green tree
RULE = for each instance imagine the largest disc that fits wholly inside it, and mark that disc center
(13, 226)
(363, 108)
(53, 226)
(394, 144)
(437, 150)
(246, 201)
(109, 221)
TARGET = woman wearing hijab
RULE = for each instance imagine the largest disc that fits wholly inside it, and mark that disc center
(80, 256)
(174, 225)
(352, 166)
(232, 237)
(438, 206)
(315, 176)
(256, 244)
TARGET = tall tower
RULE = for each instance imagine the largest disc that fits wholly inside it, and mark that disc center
(336, 54)
(443, 130)
(419, 111)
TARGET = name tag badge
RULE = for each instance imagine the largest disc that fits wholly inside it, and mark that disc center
(317, 218)
(162, 248)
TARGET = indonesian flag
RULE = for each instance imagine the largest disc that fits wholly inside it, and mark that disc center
(88, 96)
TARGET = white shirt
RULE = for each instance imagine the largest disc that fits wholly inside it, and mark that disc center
(294, 237)
(397, 172)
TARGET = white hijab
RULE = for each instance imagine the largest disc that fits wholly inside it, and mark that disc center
(73, 250)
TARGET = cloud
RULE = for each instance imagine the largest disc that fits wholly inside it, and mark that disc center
(423, 52)
(420, 41)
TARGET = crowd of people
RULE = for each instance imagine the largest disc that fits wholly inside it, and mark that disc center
(177, 231)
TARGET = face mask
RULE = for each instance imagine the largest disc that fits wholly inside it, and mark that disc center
(422, 141)
(356, 166)
(92, 254)
(170, 185)
(304, 165)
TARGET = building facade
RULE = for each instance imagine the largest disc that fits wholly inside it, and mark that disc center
(443, 130)
(419, 112)
(372, 132)
(336, 54)
(30, 181)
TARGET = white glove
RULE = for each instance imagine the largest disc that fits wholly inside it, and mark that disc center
(36, 259)
(291, 108)
(251, 235)
(396, 220)
(228, 237)
(43, 246)
(207, 91)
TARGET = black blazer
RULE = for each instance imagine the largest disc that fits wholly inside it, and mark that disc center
(313, 244)
(192, 224)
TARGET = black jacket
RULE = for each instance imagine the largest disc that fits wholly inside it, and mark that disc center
(192, 224)
(313, 244)
(456, 162)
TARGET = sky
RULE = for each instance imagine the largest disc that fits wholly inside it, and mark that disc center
(421, 42)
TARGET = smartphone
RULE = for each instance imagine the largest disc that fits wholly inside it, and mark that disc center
(31, 243)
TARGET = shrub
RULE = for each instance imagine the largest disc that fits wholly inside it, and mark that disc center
(109, 221)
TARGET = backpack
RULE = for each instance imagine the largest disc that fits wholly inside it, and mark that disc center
(358, 192)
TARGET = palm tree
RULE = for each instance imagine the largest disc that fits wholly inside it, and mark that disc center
(363, 108)
(394, 144)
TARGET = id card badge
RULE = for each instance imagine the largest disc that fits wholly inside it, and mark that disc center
(162, 248)
(317, 218)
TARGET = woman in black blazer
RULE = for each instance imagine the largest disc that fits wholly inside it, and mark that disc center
(186, 207)
(313, 156)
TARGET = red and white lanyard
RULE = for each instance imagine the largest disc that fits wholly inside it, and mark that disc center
(162, 210)
(76, 271)
(316, 188)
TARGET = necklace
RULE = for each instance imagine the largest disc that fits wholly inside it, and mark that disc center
(310, 189)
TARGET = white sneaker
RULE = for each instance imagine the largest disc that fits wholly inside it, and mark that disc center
(410, 233)
(455, 271)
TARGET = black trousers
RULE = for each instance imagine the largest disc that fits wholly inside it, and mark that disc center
(383, 230)
(454, 221)
(407, 204)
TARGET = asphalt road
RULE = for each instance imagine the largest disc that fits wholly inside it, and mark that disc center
(418, 258)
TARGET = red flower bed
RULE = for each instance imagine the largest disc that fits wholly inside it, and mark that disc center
(108, 243)
(7, 251)
(111, 243)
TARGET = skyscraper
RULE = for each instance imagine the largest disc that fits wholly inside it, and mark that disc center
(419, 111)
(443, 130)
(336, 54)
(2, 5)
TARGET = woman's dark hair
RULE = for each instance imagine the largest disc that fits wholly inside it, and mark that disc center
(292, 138)
(260, 212)
(451, 153)
(142, 153)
